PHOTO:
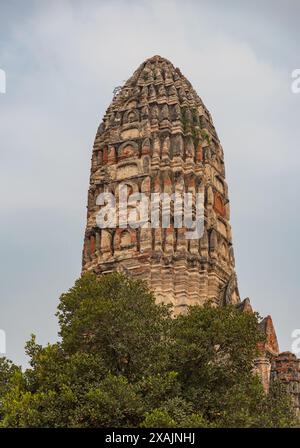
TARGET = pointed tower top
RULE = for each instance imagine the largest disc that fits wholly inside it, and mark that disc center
(158, 81)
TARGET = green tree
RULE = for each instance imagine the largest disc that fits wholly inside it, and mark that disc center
(8, 371)
(117, 318)
(213, 353)
(123, 361)
(277, 409)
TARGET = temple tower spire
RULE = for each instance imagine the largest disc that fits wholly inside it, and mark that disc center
(157, 136)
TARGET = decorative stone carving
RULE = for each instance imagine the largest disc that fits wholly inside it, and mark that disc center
(219, 205)
(230, 291)
(127, 150)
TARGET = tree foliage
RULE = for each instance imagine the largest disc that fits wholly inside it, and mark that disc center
(123, 361)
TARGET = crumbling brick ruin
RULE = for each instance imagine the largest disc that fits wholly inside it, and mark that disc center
(157, 136)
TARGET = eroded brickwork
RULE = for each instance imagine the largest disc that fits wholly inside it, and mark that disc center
(157, 136)
(272, 365)
(286, 367)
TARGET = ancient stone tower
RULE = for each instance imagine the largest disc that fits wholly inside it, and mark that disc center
(157, 136)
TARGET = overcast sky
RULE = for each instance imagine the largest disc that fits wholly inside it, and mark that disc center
(62, 61)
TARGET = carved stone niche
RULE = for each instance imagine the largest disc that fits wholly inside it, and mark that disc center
(164, 113)
(124, 240)
(146, 164)
(213, 243)
(219, 206)
(229, 294)
(177, 145)
(111, 157)
(104, 155)
(127, 150)
(189, 149)
(131, 116)
(209, 197)
(131, 104)
(199, 153)
(146, 147)
(176, 112)
(223, 252)
(172, 91)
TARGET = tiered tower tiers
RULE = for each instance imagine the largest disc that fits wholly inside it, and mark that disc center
(157, 136)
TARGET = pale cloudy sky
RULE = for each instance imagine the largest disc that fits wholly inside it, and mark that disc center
(63, 59)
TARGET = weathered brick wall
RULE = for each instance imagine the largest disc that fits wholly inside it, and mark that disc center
(157, 136)
(286, 367)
